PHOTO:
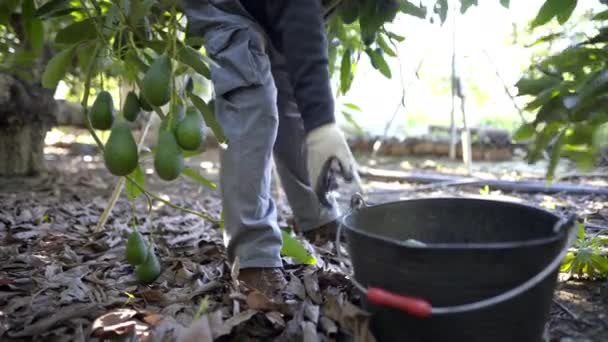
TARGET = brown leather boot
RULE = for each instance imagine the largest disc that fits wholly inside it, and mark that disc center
(269, 281)
(323, 234)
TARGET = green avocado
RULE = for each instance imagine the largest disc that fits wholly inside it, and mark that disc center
(120, 155)
(168, 159)
(150, 270)
(137, 249)
(157, 82)
(102, 111)
(189, 132)
(131, 107)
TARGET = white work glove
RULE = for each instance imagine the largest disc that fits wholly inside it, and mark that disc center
(329, 156)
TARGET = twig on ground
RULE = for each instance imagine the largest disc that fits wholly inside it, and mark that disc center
(566, 310)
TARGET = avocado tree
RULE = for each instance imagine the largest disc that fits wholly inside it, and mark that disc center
(146, 45)
(84, 42)
(568, 90)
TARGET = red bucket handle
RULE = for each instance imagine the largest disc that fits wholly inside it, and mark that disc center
(413, 306)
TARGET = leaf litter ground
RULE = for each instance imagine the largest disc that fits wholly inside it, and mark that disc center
(60, 280)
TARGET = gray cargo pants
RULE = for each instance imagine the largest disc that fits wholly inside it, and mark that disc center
(256, 108)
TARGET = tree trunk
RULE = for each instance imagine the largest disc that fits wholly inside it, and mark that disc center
(26, 113)
(21, 149)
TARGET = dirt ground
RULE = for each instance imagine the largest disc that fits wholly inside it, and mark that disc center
(61, 280)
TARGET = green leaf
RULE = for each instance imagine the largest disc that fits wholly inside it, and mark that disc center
(51, 6)
(593, 86)
(411, 9)
(527, 86)
(209, 117)
(567, 262)
(565, 13)
(63, 12)
(552, 111)
(194, 59)
(28, 9)
(393, 35)
(57, 67)
(77, 32)
(546, 39)
(552, 8)
(139, 9)
(544, 97)
(601, 16)
(191, 173)
(505, 3)
(580, 234)
(466, 4)
(35, 34)
(441, 9)
(542, 141)
(581, 134)
(583, 158)
(524, 132)
(159, 46)
(352, 106)
(332, 55)
(378, 62)
(556, 155)
(349, 118)
(600, 263)
(133, 60)
(295, 249)
(346, 71)
(387, 49)
(139, 178)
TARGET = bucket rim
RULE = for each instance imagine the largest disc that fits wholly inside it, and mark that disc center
(459, 246)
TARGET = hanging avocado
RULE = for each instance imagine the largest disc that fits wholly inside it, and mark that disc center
(168, 160)
(144, 104)
(131, 107)
(190, 131)
(137, 249)
(149, 271)
(121, 156)
(157, 82)
(102, 111)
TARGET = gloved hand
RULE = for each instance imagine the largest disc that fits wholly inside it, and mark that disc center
(329, 156)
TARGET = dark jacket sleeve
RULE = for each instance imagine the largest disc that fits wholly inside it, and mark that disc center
(297, 29)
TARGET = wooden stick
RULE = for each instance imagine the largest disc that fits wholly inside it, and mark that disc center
(566, 310)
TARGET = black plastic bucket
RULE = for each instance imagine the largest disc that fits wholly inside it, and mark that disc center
(474, 249)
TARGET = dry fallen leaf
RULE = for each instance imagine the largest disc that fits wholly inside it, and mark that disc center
(349, 317)
(311, 312)
(311, 283)
(309, 332)
(154, 295)
(229, 324)
(296, 287)
(276, 318)
(328, 326)
(64, 314)
(198, 331)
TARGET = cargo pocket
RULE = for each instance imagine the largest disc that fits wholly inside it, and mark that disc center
(241, 61)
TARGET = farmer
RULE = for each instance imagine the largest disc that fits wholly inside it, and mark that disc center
(273, 100)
